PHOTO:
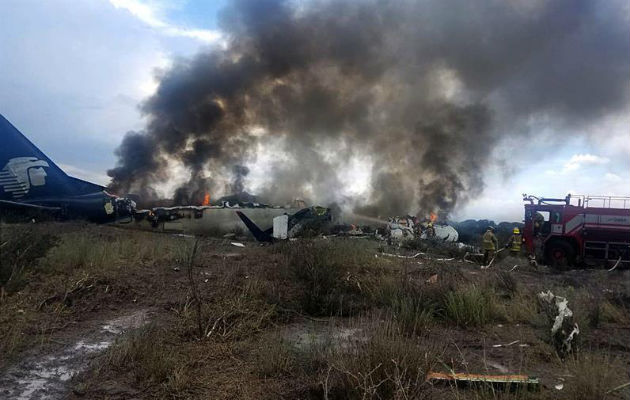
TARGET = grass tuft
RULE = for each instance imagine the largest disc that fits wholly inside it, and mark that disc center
(144, 353)
(20, 248)
(388, 364)
(327, 275)
(471, 306)
(275, 358)
(593, 375)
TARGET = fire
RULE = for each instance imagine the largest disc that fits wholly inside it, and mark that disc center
(206, 199)
(433, 216)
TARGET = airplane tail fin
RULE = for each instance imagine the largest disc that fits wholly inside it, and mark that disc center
(27, 173)
(259, 234)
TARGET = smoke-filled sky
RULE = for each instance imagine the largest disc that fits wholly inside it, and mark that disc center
(382, 106)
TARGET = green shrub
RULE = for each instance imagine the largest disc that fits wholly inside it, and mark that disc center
(20, 248)
(470, 306)
(412, 314)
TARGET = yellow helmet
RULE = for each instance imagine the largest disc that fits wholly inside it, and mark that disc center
(516, 231)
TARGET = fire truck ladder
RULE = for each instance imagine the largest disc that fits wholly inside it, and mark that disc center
(587, 201)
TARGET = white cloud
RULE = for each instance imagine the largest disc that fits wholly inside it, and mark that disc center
(579, 160)
(612, 178)
(151, 15)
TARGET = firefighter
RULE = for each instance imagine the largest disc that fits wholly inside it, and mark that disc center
(430, 230)
(539, 220)
(514, 244)
(490, 244)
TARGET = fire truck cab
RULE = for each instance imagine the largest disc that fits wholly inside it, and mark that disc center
(578, 230)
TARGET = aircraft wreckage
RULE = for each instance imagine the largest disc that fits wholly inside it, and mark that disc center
(32, 185)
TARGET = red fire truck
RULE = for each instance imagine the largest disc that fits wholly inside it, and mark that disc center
(578, 230)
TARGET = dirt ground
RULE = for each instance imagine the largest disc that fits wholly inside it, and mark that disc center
(109, 313)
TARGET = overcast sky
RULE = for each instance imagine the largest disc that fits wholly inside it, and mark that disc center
(73, 73)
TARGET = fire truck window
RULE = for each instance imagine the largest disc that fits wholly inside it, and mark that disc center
(541, 222)
(556, 217)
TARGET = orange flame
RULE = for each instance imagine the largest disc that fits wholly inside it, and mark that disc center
(206, 199)
(433, 216)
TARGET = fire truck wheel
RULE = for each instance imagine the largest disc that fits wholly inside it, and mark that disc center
(560, 254)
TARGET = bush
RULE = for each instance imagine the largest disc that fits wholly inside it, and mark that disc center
(144, 353)
(506, 284)
(324, 271)
(412, 306)
(471, 306)
(413, 314)
(20, 248)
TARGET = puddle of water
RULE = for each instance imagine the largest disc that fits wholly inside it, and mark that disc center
(46, 377)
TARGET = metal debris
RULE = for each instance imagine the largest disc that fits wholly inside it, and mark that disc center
(616, 264)
(563, 331)
(400, 256)
(505, 345)
(401, 229)
(532, 383)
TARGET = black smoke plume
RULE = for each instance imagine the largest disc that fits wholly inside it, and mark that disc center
(425, 89)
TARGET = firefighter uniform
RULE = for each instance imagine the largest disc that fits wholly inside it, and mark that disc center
(430, 230)
(514, 244)
(490, 244)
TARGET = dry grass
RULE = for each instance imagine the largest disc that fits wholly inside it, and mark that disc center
(144, 353)
(61, 272)
(605, 311)
(329, 276)
(21, 248)
(523, 308)
(506, 284)
(276, 357)
(388, 364)
(593, 375)
(405, 320)
(80, 251)
(383, 362)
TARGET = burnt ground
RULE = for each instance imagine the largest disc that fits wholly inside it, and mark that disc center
(112, 313)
